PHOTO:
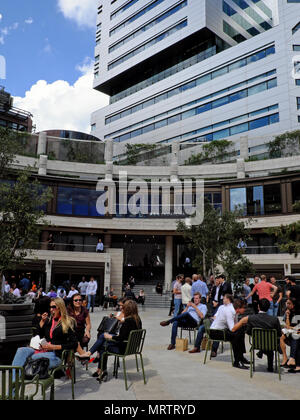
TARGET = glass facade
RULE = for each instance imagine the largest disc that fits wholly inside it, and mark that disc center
(256, 200)
(77, 201)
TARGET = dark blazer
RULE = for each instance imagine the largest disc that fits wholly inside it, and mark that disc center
(265, 321)
(225, 288)
(68, 341)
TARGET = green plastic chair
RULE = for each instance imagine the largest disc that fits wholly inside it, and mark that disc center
(134, 346)
(67, 365)
(264, 340)
(210, 340)
(15, 389)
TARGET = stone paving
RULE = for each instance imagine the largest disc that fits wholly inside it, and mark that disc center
(174, 375)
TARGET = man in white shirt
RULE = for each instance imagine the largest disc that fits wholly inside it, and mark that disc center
(83, 287)
(72, 292)
(225, 319)
(186, 295)
(91, 293)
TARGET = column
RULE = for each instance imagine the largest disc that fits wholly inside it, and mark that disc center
(168, 263)
(107, 241)
(43, 162)
(48, 274)
(42, 144)
(244, 147)
(107, 271)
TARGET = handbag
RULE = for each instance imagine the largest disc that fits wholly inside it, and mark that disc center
(38, 367)
(108, 325)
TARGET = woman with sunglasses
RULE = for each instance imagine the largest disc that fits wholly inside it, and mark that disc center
(83, 321)
(59, 333)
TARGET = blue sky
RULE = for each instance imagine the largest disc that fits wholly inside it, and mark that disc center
(48, 47)
(51, 41)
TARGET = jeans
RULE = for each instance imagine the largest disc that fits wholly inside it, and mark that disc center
(91, 302)
(183, 320)
(24, 352)
(177, 304)
(200, 336)
(112, 348)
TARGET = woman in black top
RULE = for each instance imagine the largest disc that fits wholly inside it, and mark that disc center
(59, 334)
(117, 343)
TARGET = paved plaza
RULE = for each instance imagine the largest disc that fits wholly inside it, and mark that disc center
(173, 375)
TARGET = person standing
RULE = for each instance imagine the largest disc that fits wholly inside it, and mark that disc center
(186, 292)
(91, 293)
(265, 291)
(199, 286)
(83, 287)
(255, 298)
(177, 295)
(25, 284)
(100, 246)
(247, 291)
(277, 296)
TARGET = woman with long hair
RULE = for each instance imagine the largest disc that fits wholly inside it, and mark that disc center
(117, 343)
(83, 321)
(58, 330)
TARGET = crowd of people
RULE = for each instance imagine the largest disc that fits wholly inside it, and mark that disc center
(257, 305)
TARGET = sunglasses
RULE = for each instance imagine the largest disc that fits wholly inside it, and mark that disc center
(77, 300)
(53, 307)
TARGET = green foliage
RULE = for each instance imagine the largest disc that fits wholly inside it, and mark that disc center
(20, 207)
(215, 242)
(9, 147)
(287, 237)
(287, 144)
(133, 150)
(214, 152)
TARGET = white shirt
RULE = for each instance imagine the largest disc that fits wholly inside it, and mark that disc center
(7, 288)
(225, 318)
(17, 293)
(72, 293)
(83, 286)
(92, 288)
(100, 246)
(186, 293)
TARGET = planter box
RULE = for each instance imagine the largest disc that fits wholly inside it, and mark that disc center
(18, 329)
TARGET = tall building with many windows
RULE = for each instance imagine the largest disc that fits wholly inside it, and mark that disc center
(197, 70)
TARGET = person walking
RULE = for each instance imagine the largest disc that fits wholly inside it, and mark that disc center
(265, 291)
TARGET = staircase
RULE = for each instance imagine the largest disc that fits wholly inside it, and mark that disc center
(153, 300)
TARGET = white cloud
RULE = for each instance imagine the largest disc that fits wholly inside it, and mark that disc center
(29, 21)
(59, 105)
(83, 12)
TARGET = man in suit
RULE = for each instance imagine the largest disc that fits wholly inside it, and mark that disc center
(261, 320)
(218, 292)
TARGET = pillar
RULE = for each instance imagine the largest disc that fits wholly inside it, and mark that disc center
(43, 162)
(107, 271)
(168, 263)
(107, 241)
(109, 149)
(48, 274)
(174, 162)
(240, 168)
(42, 144)
(244, 147)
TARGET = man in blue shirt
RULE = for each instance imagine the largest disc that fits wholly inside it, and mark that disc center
(189, 318)
(199, 286)
(25, 284)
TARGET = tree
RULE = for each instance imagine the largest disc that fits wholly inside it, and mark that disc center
(287, 237)
(21, 202)
(286, 144)
(9, 147)
(215, 242)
